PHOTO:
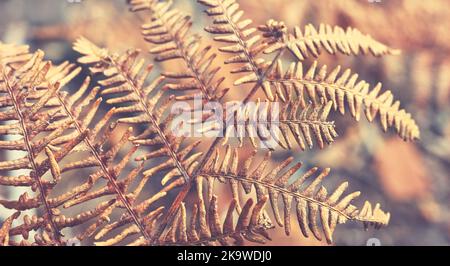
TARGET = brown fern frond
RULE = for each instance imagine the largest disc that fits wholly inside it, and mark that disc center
(75, 166)
(343, 89)
(64, 121)
(79, 111)
(273, 125)
(27, 120)
(136, 212)
(126, 84)
(110, 196)
(206, 228)
(312, 203)
(168, 30)
(240, 39)
(311, 41)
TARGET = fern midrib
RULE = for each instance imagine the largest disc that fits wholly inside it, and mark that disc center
(307, 122)
(290, 122)
(327, 37)
(30, 155)
(277, 188)
(105, 170)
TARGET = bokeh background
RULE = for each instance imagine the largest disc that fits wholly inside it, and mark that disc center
(411, 180)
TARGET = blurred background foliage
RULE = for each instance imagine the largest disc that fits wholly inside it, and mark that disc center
(411, 180)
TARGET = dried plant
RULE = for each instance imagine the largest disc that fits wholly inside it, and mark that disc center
(135, 172)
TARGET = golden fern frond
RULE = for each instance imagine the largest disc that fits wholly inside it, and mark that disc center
(241, 41)
(168, 29)
(81, 113)
(273, 125)
(64, 121)
(239, 37)
(205, 227)
(107, 200)
(311, 41)
(77, 167)
(312, 203)
(317, 84)
(25, 120)
(126, 84)
(110, 197)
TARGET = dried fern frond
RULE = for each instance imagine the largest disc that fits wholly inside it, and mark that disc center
(73, 166)
(168, 29)
(311, 41)
(273, 125)
(205, 227)
(64, 122)
(343, 89)
(102, 158)
(120, 191)
(240, 39)
(26, 120)
(108, 199)
(126, 84)
(312, 202)
(242, 42)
